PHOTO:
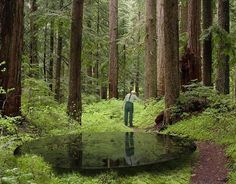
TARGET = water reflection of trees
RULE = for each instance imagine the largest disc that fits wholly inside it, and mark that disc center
(75, 152)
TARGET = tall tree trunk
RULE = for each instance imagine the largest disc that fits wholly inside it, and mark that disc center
(207, 43)
(222, 70)
(235, 81)
(137, 77)
(184, 17)
(104, 92)
(124, 69)
(194, 31)
(45, 48)
(160, 51)
(150, 90)
(89, 66)
(171, 56)
(59, 60)
(11, 36)
(96, 70)
(51, 61)
(45, 52)
(74, 100)
(33, 39)
(113, 53)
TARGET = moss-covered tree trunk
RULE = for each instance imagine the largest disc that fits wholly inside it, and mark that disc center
(222, 69)
(194, 31)
(171, 56)
(160, 51)
(74, 100)
(150, 74)
(11, 41)
(113, 50)
(59, 59)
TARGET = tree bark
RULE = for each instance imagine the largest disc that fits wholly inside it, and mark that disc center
(124, 69)
(207, 43)
(113, 51)
(33, 39)
(45, 52)
(90, 64)
(194, 31)
(11, 36)
(235, 81)
(104, 92)
(137, 77)
(150, 90)
(171, 56)
(59, 60)
(222, 70)
(45, 48)
(51, 61)
(160, 49)
(74, 100)
(96, 69)
(184, 17)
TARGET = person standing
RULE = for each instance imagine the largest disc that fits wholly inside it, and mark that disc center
(129, 108)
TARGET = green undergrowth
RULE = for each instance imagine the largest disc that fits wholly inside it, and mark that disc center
(216, 123)
(207, 127)
(50, 117)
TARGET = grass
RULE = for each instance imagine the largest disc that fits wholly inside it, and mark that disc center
(208, 127)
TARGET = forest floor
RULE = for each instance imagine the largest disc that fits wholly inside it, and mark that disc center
(214, 130)
(211, 166)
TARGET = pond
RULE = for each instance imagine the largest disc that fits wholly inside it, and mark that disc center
(92, 151)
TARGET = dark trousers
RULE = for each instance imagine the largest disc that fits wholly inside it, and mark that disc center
(129, 109)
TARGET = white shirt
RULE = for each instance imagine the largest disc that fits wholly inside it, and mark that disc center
(131, 98)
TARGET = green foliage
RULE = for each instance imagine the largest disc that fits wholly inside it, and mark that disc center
(8, 125)
(30, 169)
(217, 123)
(40, 107)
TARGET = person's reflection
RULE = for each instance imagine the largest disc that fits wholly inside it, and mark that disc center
(129, 148)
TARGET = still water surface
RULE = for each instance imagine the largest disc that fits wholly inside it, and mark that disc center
(107, 150)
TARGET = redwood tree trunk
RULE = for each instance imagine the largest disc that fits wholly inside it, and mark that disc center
(160, 49)
(150, 89)
(113, 53)
(171, 55)
(194, 31)
(74, 100)
(11, 36)
(207, 43)
(222, 70)
(184, 17)
(59, 60)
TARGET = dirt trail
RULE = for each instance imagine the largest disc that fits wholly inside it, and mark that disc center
(211, 167)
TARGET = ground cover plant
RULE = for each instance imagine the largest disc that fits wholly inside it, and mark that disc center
(215, 124)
